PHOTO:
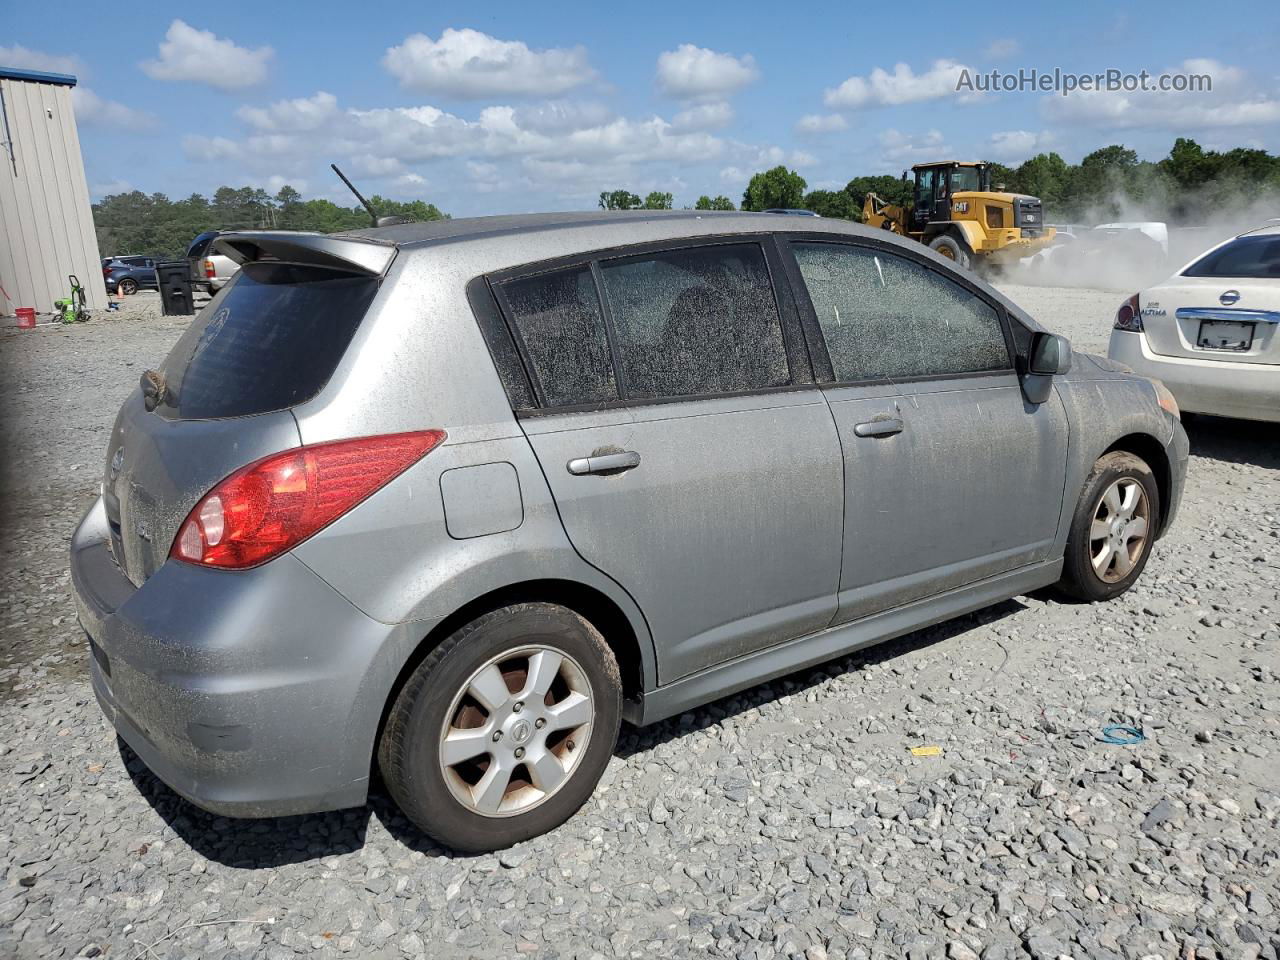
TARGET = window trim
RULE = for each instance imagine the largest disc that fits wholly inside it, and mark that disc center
(502, 336)
(823, 368)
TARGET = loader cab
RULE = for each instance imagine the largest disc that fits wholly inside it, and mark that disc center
(937, 183)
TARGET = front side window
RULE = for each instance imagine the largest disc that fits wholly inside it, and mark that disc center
(557, 317)
(888, 317)
(1244, 258)
(695, 321)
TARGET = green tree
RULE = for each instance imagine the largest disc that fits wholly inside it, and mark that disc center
(713, 203)
(619, 200)
(890, 189)
(832, 203)
(658, 201)
(776, 188)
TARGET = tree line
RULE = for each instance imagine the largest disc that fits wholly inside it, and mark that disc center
(135, 223)
(1190, 185)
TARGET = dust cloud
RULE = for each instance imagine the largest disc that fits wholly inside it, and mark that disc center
(1151, 247)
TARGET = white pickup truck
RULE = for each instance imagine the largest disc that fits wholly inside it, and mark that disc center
(209, 271)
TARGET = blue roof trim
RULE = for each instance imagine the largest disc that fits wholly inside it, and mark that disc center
(38, 76)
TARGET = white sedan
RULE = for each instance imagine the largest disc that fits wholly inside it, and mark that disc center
(1211, 332)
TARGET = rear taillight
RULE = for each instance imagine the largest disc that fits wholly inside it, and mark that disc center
(1129, 316)
(272, 505)
(208, 269)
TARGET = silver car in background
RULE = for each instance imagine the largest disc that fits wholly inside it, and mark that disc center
(453, 500)
(1211, 332)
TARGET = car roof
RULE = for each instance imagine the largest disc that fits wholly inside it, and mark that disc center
(607, 227)
(1270, 229)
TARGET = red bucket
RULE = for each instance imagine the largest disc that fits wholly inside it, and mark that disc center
(26, 317)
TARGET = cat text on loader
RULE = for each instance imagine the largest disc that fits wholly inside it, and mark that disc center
(955, 212)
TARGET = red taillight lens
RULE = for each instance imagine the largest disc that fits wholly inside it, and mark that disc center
(208, 269)
(1129, 316)
(271, 506)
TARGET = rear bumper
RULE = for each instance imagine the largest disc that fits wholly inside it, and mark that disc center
(1224, 388)
(251, 693)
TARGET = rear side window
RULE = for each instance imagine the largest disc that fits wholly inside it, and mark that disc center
(1243, 258)
(695, 321)
(558, 319)
(270, 341)
(885, 317)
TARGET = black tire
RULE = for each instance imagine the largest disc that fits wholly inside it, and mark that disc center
(953, 249)
(127, 287)
(410, 748)
(1079, 578)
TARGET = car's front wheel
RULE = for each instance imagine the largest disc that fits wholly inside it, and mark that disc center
(1113, 528)
(505, 728)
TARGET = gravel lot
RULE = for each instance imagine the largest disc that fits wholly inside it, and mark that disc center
(789, 821)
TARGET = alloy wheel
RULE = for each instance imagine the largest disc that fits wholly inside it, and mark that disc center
(516, 731)
(1119, 531)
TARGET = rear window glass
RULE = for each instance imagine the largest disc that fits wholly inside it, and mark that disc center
(271, 340)
(558, 319)
(1244, 258)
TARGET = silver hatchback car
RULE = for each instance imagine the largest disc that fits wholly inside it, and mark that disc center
(452, 500)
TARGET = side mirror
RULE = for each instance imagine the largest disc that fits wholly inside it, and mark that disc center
(1050, 354)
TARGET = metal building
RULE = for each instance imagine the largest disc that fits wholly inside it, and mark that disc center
(46, 221)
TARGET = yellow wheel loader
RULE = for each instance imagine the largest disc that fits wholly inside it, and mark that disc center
(957, 214)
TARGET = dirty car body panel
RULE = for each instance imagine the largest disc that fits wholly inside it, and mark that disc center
(737, 534)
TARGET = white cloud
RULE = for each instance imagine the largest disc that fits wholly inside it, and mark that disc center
(23, 58)
(696, 73)
(1018, 144)
(95, 111)
(471, 64)
(561, 116)
(199, 56)
(1232, 102)
(883, 89)
(812, 123)
(1001, 47)
(304, 113)
(564, 149)
(897, 147)
(704, 116)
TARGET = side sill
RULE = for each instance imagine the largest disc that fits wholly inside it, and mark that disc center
(805, 652)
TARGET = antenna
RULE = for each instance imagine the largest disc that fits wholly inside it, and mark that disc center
(373, 214)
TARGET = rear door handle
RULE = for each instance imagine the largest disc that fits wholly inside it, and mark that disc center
(879, 428)
(605, 463)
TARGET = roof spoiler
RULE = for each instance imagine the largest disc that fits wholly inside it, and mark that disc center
(346, 254)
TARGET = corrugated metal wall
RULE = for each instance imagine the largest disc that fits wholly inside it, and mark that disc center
(46, 221)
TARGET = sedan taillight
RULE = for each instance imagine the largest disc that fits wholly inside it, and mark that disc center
(1129, 316)
(274, 504)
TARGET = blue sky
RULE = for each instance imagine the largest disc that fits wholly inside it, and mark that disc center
(498, 107)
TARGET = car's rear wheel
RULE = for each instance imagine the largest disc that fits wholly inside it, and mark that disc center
(128, 287)
(1113, 528)
(505, 728)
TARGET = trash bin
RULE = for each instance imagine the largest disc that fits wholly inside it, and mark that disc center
(174, 279)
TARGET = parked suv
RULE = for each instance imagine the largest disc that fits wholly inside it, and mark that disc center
(130, 274)
(453, 499)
